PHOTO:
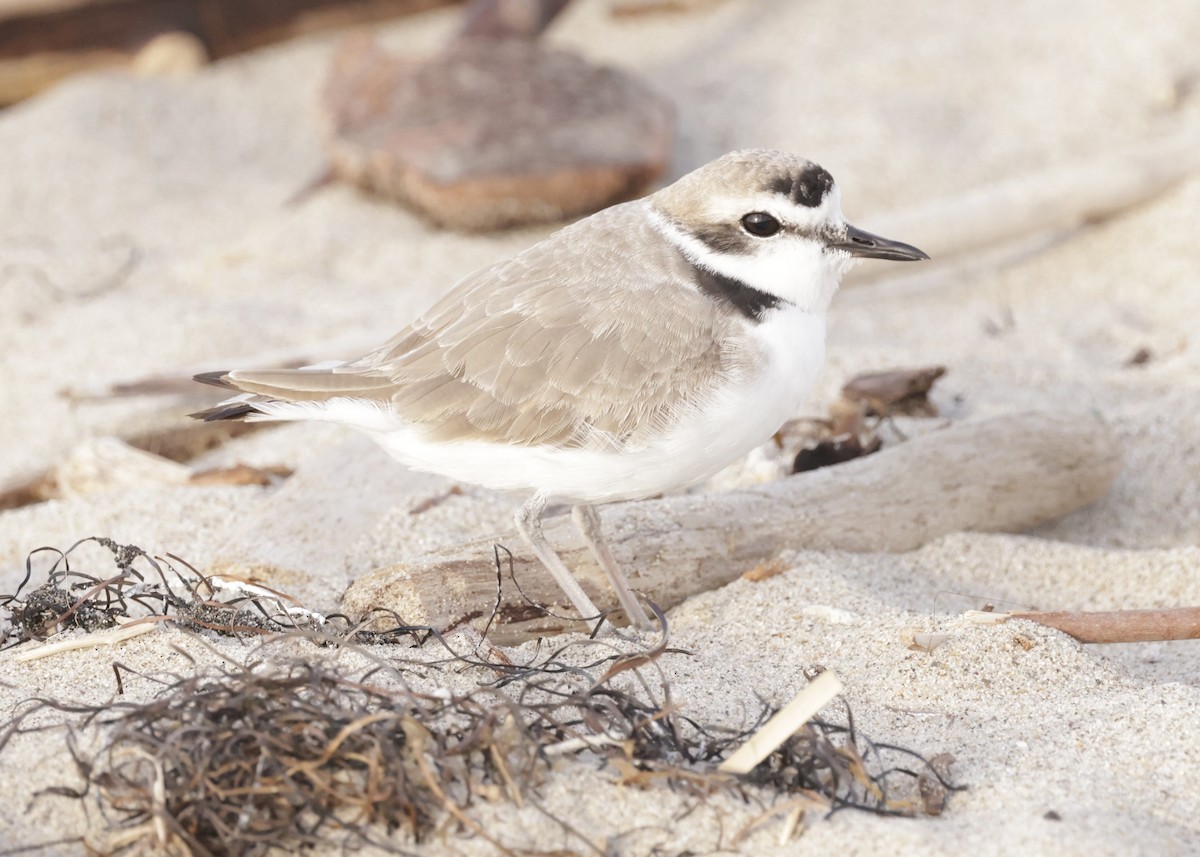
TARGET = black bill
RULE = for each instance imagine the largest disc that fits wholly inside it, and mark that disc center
(868, 246)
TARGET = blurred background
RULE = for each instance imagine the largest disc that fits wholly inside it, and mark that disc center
(187, 185)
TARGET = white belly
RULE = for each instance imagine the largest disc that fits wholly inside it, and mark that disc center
(702, 443)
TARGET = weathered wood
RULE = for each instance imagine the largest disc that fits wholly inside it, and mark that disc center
(509, 19)
(1115, 626)
(1002, 475)
(173, 441)
(301, 535)
(1061, 196)
(41, 43)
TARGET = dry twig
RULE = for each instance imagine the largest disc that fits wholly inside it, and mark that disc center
(1110, 626)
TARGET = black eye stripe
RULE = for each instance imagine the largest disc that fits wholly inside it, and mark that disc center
(725, 238)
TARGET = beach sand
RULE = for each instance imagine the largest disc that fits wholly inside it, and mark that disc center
(145, 228)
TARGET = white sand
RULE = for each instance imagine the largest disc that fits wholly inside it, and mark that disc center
(921, 101)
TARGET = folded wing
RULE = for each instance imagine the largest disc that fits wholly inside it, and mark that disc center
(594, 336)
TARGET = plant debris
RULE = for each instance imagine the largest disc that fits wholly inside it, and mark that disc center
(836, 450)
(340, 747)
(178, 444)
(146, 588)
(240, 474)
(853, 427)
(435, 501)
(899, 392)
(847, 435)
(931, 783)
(1140, 357)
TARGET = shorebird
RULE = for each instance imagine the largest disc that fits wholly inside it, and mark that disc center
(637, 351)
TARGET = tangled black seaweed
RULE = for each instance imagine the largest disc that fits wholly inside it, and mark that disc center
(147, 588)
(281, 754)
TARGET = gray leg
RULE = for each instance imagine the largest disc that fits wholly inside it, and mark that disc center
(588, 523)
(529, 524)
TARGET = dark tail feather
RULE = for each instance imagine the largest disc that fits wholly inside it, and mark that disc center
(214, 379)
(229, 411)
(234, 411)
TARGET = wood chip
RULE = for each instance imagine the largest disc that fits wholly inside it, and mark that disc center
(765, 570)
(1119, 626)
(436, 500)
(895, 392)
(240, 474)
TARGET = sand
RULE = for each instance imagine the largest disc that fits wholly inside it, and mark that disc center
(145, 228)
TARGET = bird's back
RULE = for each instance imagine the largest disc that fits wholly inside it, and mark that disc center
(595, 337)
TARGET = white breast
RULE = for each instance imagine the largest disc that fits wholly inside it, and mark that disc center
(703, 442)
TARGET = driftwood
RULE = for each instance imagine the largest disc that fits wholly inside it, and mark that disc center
(42, 43)
(509, 19)
(300, 537)
(1059, 198)
(1002, 475)
(142, 457)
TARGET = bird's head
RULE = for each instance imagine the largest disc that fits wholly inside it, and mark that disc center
(771, 221)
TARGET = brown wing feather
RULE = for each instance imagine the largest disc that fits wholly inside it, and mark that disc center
(547, 349)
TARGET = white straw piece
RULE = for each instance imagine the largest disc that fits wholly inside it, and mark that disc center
(783, 725)
(111, 637)
(586, 742)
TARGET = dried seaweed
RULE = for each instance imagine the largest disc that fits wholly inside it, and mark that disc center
(292, 756)
(895, 392)
(868, 402)
(283, 753)
(145, 588)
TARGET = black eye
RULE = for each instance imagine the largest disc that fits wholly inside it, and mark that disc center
(761, 224)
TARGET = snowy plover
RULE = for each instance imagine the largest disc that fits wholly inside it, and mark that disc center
(637, 351)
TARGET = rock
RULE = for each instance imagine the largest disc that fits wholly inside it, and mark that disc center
(491, 134)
